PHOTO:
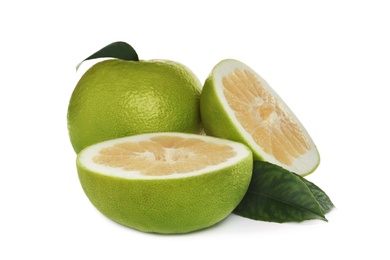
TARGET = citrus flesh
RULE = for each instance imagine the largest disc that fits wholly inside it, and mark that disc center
(165, 182)
(237, 104)
(116, 98)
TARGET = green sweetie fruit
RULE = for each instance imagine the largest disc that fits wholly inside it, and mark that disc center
(165, 182)
(117, 98)
(237, 104)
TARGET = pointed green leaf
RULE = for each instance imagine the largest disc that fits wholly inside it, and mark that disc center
(325, 203)
(277, 195)
(119, 50)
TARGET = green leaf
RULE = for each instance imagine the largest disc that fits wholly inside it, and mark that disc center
(277, 195)
(325, 203)
(119, 50)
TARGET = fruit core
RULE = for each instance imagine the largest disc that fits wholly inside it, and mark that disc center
(263, 117)
(164, 155)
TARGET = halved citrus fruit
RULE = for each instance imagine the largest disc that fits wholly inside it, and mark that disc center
(166, 182)
(237, 104)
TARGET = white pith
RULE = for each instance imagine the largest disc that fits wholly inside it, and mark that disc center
(301, 165)
(85, 157)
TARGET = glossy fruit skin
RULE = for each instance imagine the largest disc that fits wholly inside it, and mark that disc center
(178, 205)
(117, 98)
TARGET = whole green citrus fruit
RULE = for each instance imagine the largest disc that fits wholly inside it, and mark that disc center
(117, 98)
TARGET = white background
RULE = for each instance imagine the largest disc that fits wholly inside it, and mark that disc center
(328, 60)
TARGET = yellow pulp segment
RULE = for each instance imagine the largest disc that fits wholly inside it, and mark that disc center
(164, 155)
(263, 117)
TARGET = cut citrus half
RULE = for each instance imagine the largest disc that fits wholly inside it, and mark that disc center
(166, 182)
(237, 104)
